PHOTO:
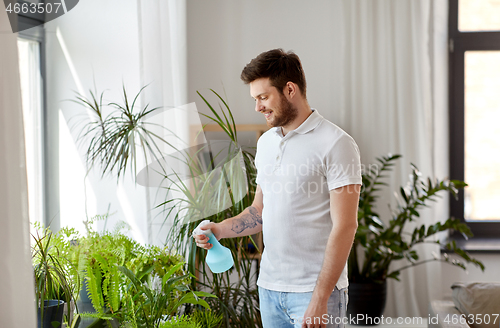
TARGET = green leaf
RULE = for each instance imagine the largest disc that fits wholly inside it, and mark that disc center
(421, 232)
(414, 212)
(403, 194)
(170, 272)
(191, 298)
(394, 275)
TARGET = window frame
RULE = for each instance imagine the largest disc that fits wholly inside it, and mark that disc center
(459, 43)
(36, 32)
(28, 19)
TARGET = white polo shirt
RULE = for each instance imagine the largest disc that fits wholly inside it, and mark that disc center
(296, 173)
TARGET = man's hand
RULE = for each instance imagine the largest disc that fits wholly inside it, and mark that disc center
(246, 223)
(315, 314)
(202, 240)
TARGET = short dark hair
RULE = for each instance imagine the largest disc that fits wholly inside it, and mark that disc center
(279, 66)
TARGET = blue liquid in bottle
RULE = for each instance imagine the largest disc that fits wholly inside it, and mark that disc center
(219, 258)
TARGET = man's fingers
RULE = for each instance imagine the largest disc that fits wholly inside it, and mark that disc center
(206, 246)
(207, 226)
(200, 238)
(310, 322)
(202, 241)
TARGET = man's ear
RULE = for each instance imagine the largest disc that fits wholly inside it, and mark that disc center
(290, 90)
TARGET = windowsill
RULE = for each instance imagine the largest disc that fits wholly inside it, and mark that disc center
(477, 244)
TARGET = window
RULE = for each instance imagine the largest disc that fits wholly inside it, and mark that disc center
(474, 31)
(31, 70)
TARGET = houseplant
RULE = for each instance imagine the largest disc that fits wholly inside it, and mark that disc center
(236, 301)
(151, 305)
(115, 142)
(377, 244)
(55, 285)
(110, 261)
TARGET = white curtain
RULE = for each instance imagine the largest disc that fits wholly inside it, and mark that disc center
(394, 101)
(16, 273)
(163, 57)
(31, 91)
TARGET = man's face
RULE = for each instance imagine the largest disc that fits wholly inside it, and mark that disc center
(277, 110)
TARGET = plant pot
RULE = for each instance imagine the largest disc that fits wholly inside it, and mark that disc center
(366, 302)
(53, 311)
(84, 296)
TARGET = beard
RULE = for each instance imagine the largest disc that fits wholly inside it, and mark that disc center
(284, 114)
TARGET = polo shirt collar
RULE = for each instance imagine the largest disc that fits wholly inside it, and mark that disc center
(309, 124)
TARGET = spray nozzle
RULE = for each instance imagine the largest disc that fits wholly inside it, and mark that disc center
(199, 231)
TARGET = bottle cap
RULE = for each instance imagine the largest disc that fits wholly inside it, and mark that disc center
(198, 230)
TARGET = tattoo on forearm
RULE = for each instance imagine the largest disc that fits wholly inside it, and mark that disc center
(249, 220)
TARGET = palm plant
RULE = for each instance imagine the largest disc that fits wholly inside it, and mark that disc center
(114, 139)
(235, 183)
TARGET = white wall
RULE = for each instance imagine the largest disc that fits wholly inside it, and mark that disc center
(95, 42)
(223, 36)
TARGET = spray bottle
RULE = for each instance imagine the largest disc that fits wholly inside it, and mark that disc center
(219, 258)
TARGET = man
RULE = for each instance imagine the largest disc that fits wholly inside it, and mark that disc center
(308, 182)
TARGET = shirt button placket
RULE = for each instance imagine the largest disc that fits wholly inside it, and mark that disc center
(280, 154)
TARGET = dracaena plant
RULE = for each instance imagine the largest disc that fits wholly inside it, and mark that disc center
(116, 140)
(378, 244)
(53, 272)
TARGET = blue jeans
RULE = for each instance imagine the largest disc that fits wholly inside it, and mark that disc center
(286, 310)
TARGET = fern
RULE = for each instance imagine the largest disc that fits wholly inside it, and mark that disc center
(180, 322)
(110, 281)
(114, 288)
(94, 287)
(104, 270)
(207, 318)
(147, 304)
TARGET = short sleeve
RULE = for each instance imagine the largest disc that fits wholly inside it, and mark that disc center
(343, 164)
(257, 166)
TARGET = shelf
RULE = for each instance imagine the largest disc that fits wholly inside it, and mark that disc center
(259, 129)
